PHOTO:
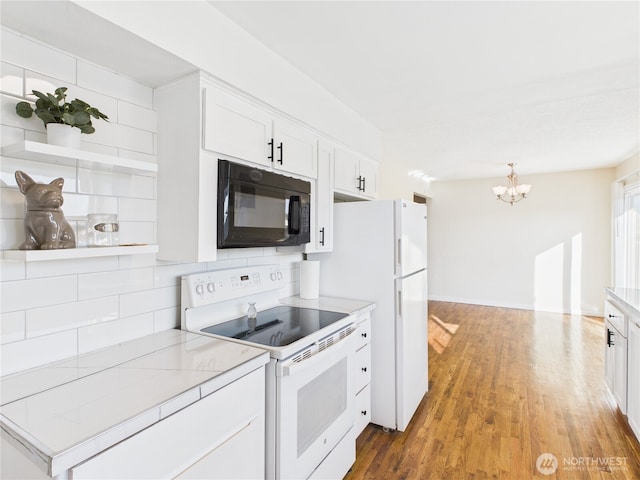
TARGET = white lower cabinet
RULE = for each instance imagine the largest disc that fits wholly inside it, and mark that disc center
(633, 372)
(616, 354)
(363, 375)
(219, 437)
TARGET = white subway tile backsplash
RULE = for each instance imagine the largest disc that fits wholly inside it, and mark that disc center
(40, 172)
(105, 334)
(11, 233)
(11, 203)
(166, 319)
(47, 320)
(100, 79)
(37, 351)
(137, 116)
(135, 139)
(98, 182)
(11, 79)
(137, 232)
(169, 275)
(11, 270)
(40, 292)
(137, 210)
(52, 268)
(10, 135)
(32, 55)
(149, 300)
(96, 285)
(12, 327)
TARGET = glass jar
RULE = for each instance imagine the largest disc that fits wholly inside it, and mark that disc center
(102, 230)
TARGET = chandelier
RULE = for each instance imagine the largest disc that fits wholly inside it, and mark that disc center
(513, 192)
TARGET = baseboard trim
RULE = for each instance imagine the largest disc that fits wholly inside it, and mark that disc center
(517, 306)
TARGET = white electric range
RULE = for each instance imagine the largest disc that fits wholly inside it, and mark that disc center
(309, 379)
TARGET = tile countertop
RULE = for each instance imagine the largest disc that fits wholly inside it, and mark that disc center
(64, 413)
(628, 297)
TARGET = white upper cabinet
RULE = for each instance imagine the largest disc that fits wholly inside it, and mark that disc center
(355, 175)
(322, 201)
(238, 128)
(294, 149)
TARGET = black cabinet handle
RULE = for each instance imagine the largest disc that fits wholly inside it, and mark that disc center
(281, 148)
(610, 335)
(270, 157)
(322, 236)
(364, 369)
(364, 184)
(360, 189)
(364, 335)
(363, 412)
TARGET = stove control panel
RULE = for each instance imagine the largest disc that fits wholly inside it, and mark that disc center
(206, 288)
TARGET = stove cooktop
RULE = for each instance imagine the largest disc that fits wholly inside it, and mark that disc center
(278, 326)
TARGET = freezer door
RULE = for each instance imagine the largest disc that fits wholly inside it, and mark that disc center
(411, 237)
(411, 345)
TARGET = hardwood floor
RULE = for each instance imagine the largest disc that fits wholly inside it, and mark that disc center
(506, 386)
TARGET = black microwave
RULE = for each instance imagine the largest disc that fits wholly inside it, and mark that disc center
(258, 208)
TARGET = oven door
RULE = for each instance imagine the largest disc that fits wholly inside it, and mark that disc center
(315, 399)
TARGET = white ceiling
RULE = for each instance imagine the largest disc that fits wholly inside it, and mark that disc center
(459, 89)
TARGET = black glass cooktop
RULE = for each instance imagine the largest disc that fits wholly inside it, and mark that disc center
(278, 326)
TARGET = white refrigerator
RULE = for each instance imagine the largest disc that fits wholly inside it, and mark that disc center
(380, 254)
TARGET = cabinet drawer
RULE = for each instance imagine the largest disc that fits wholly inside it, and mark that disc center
(615, 317)
(363, 410)
(363, 367)
(177, 443)
(363, 335)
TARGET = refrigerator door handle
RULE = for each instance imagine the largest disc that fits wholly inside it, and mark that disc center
(399, 261)
(400, 303)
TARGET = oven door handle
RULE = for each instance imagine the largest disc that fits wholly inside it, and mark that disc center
(339, 349)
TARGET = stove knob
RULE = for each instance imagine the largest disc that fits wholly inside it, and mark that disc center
(273, 276)
(200, 289)
(211, 287)
(279, 275)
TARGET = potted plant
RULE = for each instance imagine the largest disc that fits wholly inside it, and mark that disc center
(59, 116)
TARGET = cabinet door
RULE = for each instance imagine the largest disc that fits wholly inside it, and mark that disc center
(633, 392)
(322, 234)
(347, 171)
(369, 174)
(620, 372)
(295, 149)
(236, 128)
(231, 419)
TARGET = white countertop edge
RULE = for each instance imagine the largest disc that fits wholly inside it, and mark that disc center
(26, 444)
(634, 309)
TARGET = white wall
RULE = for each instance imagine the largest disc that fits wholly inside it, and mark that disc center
(548, 252)
(55, 309)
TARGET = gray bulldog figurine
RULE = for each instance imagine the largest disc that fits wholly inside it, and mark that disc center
(44, 223)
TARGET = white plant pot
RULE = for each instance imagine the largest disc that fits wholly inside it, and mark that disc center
(63, 135)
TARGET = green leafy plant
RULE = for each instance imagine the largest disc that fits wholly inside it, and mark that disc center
(54, 108)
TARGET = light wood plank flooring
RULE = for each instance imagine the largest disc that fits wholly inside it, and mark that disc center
(506, 386)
